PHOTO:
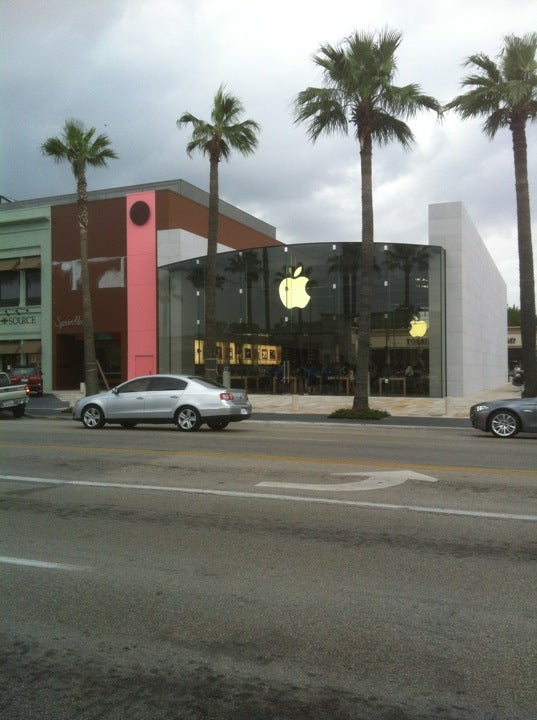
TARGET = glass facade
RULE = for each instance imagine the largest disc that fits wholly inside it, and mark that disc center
(287, 318)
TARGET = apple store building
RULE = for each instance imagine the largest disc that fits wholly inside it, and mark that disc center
(287, 318)
(287, 315)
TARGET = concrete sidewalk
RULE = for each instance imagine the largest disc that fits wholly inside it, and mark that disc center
(408, 406)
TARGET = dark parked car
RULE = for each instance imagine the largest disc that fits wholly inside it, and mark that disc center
(186, 400)
(505, 418)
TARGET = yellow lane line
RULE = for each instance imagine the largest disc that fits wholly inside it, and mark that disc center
(276, 458)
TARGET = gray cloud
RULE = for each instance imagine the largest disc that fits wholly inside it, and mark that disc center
(130, 68)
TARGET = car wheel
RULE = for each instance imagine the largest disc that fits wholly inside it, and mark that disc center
(217, 424)
(128, 425)
(18, 411)
(188, 419)
(504, 424)
(92, 417)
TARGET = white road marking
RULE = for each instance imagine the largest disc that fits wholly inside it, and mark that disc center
(267, 496)
(38, 564)
(372, 481)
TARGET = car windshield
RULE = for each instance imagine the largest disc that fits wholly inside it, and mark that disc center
(18, 372)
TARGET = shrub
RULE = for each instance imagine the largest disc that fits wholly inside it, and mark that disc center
(350, 414)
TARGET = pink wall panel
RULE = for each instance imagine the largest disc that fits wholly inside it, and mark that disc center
(141, 284)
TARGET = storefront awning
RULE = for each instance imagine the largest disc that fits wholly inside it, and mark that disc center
(29, 263)
(10, 264)
(31, 346)
(9, 348)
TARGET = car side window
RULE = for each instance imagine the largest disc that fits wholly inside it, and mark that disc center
(137, 385)
(166, 383)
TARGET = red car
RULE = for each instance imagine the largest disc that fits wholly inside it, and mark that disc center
(27, 375)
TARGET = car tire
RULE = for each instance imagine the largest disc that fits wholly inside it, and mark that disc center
(92, 417)
(188, 419)
(504, 424)
(19, 411)
(217, 424)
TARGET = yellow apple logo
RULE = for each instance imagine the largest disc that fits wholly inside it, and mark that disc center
(293, 291)
(418, 328)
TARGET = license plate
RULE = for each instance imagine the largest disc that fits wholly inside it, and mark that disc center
(8, 403)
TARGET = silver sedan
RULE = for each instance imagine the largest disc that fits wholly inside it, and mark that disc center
(505, 418)
(187, 401)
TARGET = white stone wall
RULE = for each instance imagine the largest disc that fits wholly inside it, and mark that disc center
(476, 304)
(177, 245)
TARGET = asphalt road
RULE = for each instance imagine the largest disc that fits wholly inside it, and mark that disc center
(275, 570)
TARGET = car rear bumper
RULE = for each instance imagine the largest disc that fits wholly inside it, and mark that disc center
(230, 414)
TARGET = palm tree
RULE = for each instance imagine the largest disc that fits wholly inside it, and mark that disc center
(216, 139)
(359, 91)
(81, 148)
(505, 94)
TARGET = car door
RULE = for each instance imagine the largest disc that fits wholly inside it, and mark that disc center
(127, 402)
(528, 413)
(163, 396)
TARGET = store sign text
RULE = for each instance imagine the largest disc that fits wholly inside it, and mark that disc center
(62, 322)
(19, 320)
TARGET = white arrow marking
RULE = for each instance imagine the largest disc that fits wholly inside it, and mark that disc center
(38, 563)
(372, 481)
(282, 498)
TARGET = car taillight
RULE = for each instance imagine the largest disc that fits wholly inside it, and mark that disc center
(226, 396)
(27, 388)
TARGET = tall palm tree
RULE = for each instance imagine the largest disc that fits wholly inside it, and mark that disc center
(216, 139)
(505, 94)
(359, 91)
(82, 148)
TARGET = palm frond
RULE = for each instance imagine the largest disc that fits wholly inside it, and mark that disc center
(225, 132)
(79, 147)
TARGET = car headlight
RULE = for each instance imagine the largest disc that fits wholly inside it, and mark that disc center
(480, 408)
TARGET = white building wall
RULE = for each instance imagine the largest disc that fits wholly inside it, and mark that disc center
(178, 244)
(476, 304)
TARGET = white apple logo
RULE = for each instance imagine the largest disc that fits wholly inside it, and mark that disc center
(293, 291)
(418, 328)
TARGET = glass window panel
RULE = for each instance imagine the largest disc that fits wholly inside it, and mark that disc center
(33, 287)
(9, 288)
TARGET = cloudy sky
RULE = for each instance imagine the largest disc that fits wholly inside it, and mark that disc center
(130, 68)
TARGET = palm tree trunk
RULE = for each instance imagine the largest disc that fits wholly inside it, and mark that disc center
(361, 397)
(525, 254)
(210, 282)
(91, 377)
